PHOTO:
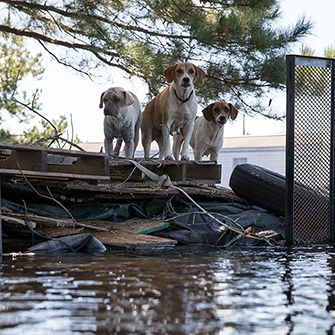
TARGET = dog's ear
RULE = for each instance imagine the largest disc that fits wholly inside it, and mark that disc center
(200, 75)
(128, 98)
(168, 73)
(233, 111)
(208, 114)
(101, 99)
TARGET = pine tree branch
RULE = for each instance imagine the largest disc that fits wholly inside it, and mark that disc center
(79, 15)
(38, 36)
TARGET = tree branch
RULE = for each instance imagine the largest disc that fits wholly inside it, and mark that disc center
(38, 36)
(76, 15)
(63, 63)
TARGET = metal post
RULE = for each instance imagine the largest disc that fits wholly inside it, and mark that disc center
(0, 224)
(290, 96)
(332, 158)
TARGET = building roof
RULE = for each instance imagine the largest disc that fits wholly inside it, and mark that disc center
(246, 141)
(251, 141)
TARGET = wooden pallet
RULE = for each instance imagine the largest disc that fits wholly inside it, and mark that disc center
(180, 172)
(39, 162)
(35, 161)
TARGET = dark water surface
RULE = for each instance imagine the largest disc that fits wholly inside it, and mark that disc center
(198, 291)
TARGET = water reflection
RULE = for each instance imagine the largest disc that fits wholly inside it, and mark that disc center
(198, 291)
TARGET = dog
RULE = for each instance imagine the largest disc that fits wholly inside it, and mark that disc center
(208, 134)
(122, 120)
(173, 109)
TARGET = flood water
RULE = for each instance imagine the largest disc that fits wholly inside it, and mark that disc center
(268, 290)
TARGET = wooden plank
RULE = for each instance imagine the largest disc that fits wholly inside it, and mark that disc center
(25, 160)
(198, 172)
(83, 165)
(117, 191)
(9, 219)
(27, 157)
(75, 153)
(131, 240)
(178, 171)
(135, 225)
(20, 147)
(50, 175)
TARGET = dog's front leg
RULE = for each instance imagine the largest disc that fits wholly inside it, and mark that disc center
(197, 152)
(129, 148)
(214, 156)
(188, 129)
(117, 148)
(109, 146)
(166, 152)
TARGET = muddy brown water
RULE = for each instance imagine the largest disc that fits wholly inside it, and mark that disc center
(268, 290)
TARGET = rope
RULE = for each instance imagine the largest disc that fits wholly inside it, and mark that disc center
(165, 181)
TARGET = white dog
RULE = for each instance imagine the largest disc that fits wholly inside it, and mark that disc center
(171, 110)
(122, 120)
(208, 133)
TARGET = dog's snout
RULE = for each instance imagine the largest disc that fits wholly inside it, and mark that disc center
(222, 119)
(186, 79)
(116, 98)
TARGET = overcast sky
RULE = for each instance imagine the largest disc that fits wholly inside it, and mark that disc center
(65, 92)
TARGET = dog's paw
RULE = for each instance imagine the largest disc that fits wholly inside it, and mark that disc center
(169, 158)
(185, 158)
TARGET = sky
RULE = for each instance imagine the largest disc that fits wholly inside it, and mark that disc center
(66, 92)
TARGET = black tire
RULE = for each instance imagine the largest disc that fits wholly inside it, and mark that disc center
(259, 186)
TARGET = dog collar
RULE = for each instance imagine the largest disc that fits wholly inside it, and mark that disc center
(183, 100)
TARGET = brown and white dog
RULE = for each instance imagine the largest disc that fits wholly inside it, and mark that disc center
(122, 120)
(173, 109)
(208, 133)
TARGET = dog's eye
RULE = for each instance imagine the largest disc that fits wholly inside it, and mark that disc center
(179, 71)
(227, 110)
(216, 110)
(191, 71)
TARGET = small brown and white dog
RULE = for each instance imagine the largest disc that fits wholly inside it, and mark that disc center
(208, 133)
(173, 109)
(122, 120)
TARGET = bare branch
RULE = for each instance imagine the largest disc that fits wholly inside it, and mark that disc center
(56, 136)
(63, 63)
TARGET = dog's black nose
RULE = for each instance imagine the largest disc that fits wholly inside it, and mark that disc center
(222, 119)
(186, 79)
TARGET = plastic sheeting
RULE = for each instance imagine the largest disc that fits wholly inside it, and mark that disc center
(76, 243)
(189, 226)
(198, 228)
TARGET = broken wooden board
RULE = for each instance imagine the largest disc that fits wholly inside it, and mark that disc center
(137, 191)
(129, 240)
(52, 163)
(135, 225)
(128, 234)
(141, 226)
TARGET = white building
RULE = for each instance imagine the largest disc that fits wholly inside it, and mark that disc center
(267, 151)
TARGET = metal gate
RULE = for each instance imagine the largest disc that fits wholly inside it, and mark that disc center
(310, 150)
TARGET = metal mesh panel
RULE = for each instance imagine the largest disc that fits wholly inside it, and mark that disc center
(310, 164)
